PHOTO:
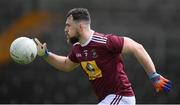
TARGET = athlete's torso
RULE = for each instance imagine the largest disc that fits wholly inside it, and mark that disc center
(101, 60)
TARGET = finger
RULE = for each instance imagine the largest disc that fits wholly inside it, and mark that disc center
(44, 45)
(170, 82)
(37, 41)
(162, 84)
(164, 79)
(166, 89)
(168, 85)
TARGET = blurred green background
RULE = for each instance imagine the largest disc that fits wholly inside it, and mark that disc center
(153, 23)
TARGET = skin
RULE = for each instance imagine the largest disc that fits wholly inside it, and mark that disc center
(82, 31)
(71, 29)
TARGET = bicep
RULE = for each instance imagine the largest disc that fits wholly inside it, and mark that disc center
(70, 65)
(130, 46)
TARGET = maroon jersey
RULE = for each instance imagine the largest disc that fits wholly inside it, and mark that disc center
(100, 57)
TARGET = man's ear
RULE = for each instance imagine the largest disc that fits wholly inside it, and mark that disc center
(81, 27)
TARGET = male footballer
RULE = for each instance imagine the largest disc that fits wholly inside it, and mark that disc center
(100, 56)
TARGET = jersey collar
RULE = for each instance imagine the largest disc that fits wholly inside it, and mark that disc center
(88, 41)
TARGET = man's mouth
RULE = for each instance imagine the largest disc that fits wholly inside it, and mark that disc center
(67, 35)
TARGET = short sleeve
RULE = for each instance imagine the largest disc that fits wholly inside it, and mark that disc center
(72, 56)
(115, 43)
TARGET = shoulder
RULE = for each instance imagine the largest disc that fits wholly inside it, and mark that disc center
(99, 38)
(105, 37)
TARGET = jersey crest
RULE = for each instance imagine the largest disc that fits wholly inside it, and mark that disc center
(91, 68)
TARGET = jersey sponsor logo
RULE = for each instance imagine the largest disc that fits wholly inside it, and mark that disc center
(92, 70)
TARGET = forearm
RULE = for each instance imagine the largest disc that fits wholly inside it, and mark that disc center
(159, 82)
(59, 62)
(144, 59)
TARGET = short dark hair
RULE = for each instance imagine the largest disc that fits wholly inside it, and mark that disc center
(79, 14)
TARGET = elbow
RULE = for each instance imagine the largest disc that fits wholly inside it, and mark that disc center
(66, 69)
(63, 68)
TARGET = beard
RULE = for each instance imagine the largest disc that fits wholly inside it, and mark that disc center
(73, 39)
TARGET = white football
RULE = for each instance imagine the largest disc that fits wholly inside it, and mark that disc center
(23, 50)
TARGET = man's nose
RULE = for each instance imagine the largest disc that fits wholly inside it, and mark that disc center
(65, 29)
(66, 32)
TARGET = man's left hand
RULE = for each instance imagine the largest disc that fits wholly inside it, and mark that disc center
(160, 83)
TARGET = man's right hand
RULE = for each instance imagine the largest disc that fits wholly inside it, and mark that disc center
(41, 48)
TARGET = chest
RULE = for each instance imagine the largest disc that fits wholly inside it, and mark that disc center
(95, 60)
(91, 53)
(92, 60)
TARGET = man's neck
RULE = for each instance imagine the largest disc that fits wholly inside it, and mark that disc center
(85, 36)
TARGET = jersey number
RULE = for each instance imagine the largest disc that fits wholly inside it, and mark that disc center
(91, 68)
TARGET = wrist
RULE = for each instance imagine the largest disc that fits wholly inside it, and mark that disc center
(46, 53)
(153, 75)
